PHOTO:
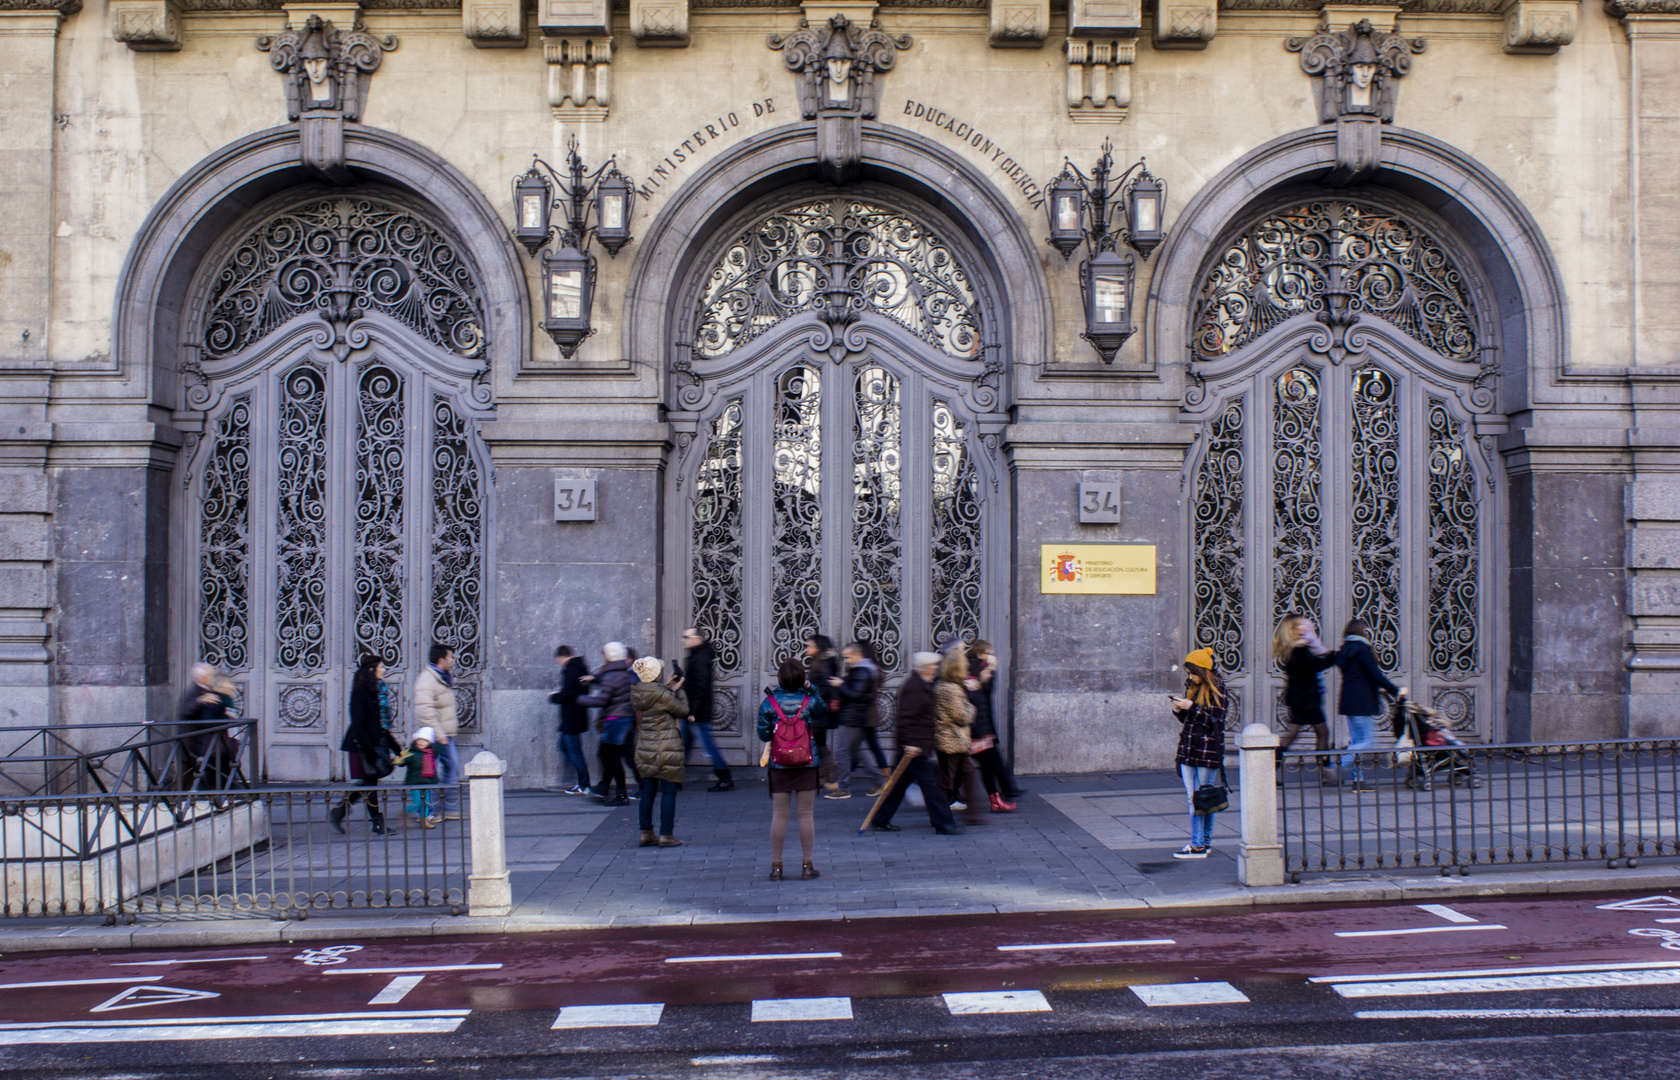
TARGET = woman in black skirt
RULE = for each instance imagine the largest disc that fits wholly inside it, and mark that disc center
(1297, 650)
(792, 768)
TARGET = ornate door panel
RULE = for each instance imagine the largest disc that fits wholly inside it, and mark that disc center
(1339, 473)
(838, 475)
(336, 499)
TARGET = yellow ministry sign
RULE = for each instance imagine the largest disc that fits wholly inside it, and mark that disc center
(1097, 568)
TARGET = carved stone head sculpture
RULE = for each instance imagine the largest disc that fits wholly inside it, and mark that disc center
(837, 63)
(1357, 69)
(325, 69)
(319, 87)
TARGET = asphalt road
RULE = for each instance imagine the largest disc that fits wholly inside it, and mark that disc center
(1561, 987)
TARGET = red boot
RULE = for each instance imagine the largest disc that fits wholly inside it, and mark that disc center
(999, 806)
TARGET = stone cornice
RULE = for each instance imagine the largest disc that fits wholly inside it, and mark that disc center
(63, 7)
(1623, 8)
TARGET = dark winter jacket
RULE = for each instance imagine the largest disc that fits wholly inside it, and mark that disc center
(659, 742)
(985, 726)
(1201, 738)
(612, 690)
(857, 693)
(365, 733)
(818, 670)
(574, 718)
(697, 681)
(816, 715)
(916, 715)
(1301, 669)
(1361, 679)
(195, 716)
(419, 763)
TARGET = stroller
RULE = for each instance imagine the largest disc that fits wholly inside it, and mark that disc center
(1427, 749)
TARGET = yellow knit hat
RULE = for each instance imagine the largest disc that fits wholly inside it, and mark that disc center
(1202, 658)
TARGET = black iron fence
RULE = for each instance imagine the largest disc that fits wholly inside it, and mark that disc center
(87, 759)
(273, 852)
(1456, 807)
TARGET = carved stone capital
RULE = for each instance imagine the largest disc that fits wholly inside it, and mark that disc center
(1185, 24)
(494, 24)
(579, 77)
(146, 25)
(1356, 72)
(1099, 79)
(1019, 23)
(1539, 26)
(659, 23)
(1104, 18)
(575, 18)
(325, 71)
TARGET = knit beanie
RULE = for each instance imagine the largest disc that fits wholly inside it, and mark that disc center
(1202, 658)
(647, 668)
(615, 650)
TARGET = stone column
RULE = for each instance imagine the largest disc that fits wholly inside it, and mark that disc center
(488, 891)
(1259, 855)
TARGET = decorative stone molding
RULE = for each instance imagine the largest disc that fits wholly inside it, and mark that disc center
(62, 7)
(1355, 73)
(326, 72)
(659, 23)
(575, 18)
(579, 77)
(1104, 17)
(1621, 9)
(146, 25)
(1185, 24)
(1539, 26)
(494, 24)
(837, 63)
(1019, 23)
(1099, 79)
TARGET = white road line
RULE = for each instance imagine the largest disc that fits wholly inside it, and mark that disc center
(820, 1008)
(132, 980)
(1580, 980)
(1418, 930)
(998, 1001)
(396, 990)
(1196, 993)
(440, 1021)
(753, 956)
(405, 970)
(1446, 913)
(202, 960)
(734, 1059)
(594, 1016)
(1514, 1014)
(1086, 945)
(1649, 965)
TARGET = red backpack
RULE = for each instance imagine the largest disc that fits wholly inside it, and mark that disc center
(790, 740)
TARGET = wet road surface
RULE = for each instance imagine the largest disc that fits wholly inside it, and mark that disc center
(1390, 990)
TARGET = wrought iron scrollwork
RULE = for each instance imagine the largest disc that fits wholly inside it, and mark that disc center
(877, 550)
(1375, 541)
(957, 541)
(457, 612)
(1297, 477)
(796, 512)
(224, 542)
(380, 511)
(839, 258)
(717, 540)
(1338, 260)
(300, 598)
(342, 258)
(1454, 555)
(1217, 546)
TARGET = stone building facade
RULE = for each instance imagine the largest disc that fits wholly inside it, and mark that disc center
(281, 385)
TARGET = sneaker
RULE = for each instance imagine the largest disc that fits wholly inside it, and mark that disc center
(452, 815)
(876, 790)
(1189, 851)
(432, 822)
(840, 794)
(959, 806)
(575, 790)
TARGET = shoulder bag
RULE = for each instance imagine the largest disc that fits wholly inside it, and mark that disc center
(1211, 798)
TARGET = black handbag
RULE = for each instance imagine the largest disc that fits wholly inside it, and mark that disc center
(1211, 798)
(379, 762)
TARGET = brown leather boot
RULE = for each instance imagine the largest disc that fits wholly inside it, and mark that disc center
(647, 838)
(669, 841)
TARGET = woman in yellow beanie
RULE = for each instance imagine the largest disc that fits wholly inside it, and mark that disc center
(1201, 743)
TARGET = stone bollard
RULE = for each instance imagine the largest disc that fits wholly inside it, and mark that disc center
(488, 892)
(1259, 855)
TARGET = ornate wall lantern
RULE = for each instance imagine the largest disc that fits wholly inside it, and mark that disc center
(1081, 211)
(568, 267)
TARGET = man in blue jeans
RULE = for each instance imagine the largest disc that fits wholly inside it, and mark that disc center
(1362, 683)
(574, 718)
(697, 683)
(434, 707)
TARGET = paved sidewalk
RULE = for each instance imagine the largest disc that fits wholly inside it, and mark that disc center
(1095, 843)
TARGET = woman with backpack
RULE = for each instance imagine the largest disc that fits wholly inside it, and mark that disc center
(1201, 745)
(787, 722)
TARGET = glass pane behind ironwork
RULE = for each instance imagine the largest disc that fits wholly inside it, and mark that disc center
(877, 554)
(1375, 506)
(1297, 520)
(1454, 556)
(300, 595)
(380, 509)
(956, 562)
(796, 512)
(1217, 540)
(224, 543)
(716, 585)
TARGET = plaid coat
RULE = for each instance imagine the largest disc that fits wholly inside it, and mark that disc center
(1201, 739)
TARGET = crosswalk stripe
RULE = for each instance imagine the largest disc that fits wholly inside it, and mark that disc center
(396, 989)
(440, 1021)
(594, 1016)
(1196, 993)
(1579, 980)
(997, 1001)
(820, 1008)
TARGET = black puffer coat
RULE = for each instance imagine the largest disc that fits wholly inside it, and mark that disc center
(612, 690)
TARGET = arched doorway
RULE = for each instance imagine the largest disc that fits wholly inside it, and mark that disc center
(1341, 356)
(336, 502)
(834, 472)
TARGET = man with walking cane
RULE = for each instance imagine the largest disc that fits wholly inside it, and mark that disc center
(914, 723)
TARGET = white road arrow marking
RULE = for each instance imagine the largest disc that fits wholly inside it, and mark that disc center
(1644, 903)
(138, 997)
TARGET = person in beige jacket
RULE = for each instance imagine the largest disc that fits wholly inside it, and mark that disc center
(434, 707)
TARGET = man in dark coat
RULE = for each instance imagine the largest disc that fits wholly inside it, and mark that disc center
(200, 708)
(914, 724)
(697, 683)
(574, 718)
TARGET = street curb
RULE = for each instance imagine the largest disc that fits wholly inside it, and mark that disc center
(1375, 889)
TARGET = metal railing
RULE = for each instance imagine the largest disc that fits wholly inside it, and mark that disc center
(1456, 807)
(271, 852)
(88, 759)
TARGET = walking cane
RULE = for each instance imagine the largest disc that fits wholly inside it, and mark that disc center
(886, 789)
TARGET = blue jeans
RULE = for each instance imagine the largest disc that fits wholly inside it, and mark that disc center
(1362, 735)
(422, 803)
(1201, 825)
(704, 729)
(571, 749)
(449, 775)
(667, 794)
